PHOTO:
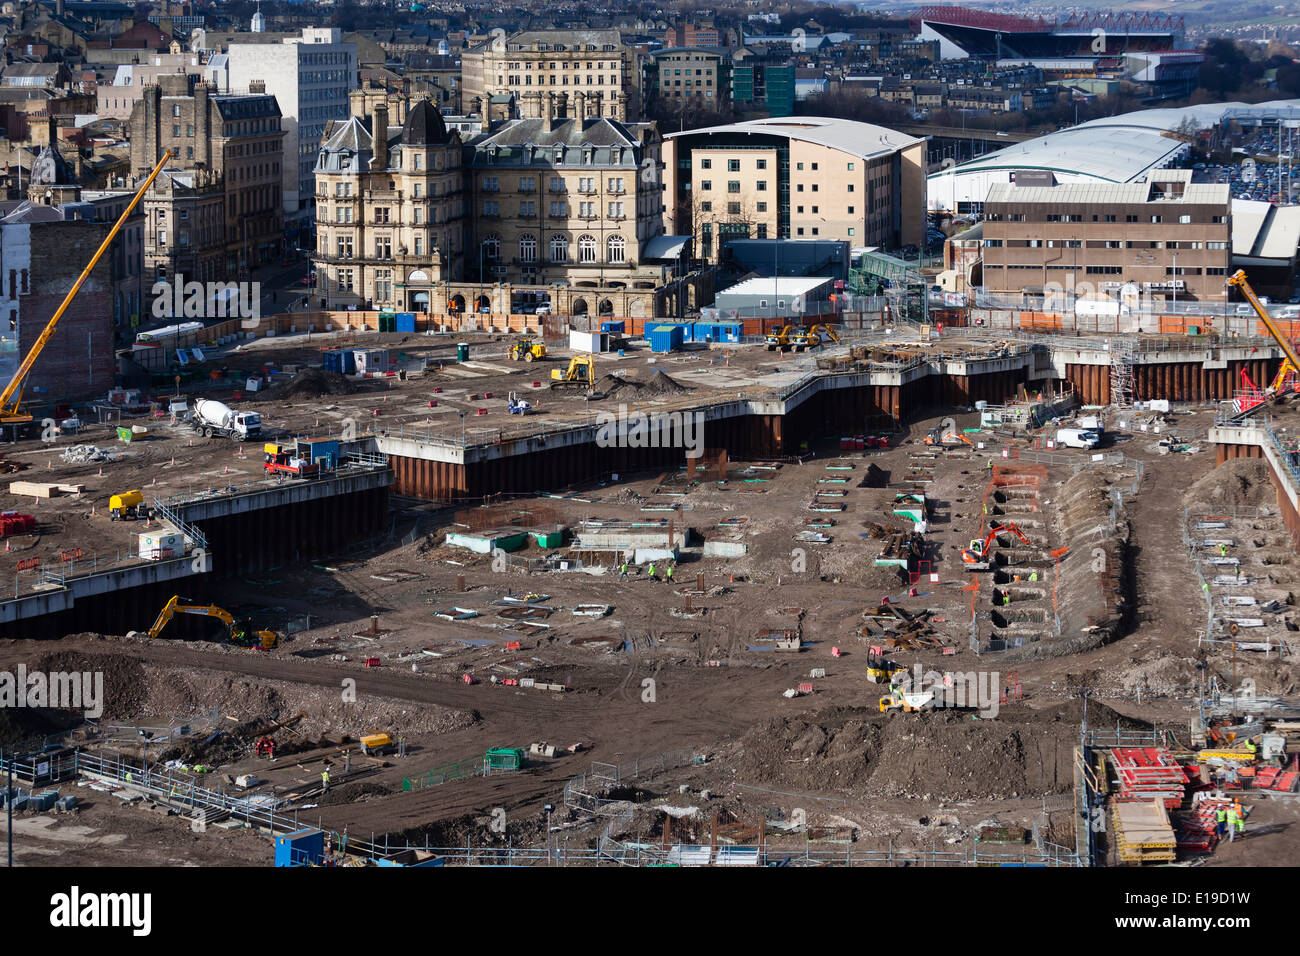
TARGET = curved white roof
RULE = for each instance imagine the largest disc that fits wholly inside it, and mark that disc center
(1113, 149)
(864, 140)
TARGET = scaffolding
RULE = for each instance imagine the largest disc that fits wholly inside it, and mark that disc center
(1121, 372)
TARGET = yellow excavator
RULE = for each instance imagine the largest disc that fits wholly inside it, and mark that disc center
(526, 350)
(783, 339)
(581, 373)
(241, 633)
(813, 338)
(11, 411)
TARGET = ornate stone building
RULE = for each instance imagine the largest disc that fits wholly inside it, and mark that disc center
(390, 206)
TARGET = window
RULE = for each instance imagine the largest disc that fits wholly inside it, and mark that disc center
(559, 248)
(418, 191)
(851, 229)
(799, 166)
(762, 164)
(176, 111)
(733, 186)
(345, 247)
(527, 184)
(733, 209)
(706, 185)
(706, 207)
(491, 184)
(799, 188)
(1184, 219)
(616, 185)
(528, 209)
(491, 208)
(616, 249)
(176, 130)
(1157, 218)
(559, 210)
(800, 230)
(616, 210)
(706, 164)
(733, 165)
(383, 285)
(814, 209)
(762, 185)
(762, 230)
(850, 167)
(1216, 245)
(492, 247)
(587, 248)
(850, 187)
(383, 247)
(419, 246)
(345, 280)
(417, 162)
(587, 210)
(850, 210)
(528, 248)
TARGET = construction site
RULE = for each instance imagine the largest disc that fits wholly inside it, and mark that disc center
(860, 596)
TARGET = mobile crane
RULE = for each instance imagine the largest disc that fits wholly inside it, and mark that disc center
(11, 411)
(976, 557)
(1292, 361)
(241, 633)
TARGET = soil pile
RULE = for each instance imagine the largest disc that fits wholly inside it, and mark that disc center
(945, 755)
(311, 383)
(662, 383)
(1240, 482)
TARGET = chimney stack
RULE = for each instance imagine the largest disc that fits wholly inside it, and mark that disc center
(379, 133)
(548, 112)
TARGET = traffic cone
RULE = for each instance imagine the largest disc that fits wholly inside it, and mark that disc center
(101, 472)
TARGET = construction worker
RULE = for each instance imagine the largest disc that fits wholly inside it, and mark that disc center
(1220, 821)
(622, 571)
(1233, 817)
(1223, 550)
(324, 781)
(652, 571)
(1250, 746)
(1033, 576)
(669, 578)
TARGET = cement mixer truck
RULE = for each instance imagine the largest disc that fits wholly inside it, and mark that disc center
(214, 418)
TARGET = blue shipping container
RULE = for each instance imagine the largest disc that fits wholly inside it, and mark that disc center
(666, 338)
(405, 321)
(619, 328)
(300, 848)
(341, 361)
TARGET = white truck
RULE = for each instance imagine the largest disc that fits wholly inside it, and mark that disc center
(215, 418)
(1078, 438)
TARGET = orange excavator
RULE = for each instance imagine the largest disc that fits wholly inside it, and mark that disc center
(976, 557)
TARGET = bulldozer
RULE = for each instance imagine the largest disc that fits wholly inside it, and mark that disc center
(240, 633)
(581, 373)
(813, 338)
(526, 350)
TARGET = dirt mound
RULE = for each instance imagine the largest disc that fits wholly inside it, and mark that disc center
(311, 383)
(1240, 482)
(945, 755)
(661, 383)
(617, 385)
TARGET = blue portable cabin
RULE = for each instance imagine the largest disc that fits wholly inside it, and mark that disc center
(716, 332)
(405, 321)
(341, 361)
(616, 328)
(321, 451)
(666, 338)
(300, 848)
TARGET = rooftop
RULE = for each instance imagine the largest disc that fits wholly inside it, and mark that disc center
(865, 140)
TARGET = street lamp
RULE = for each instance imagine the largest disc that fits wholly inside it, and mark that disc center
(1175, 285)
(548, 808)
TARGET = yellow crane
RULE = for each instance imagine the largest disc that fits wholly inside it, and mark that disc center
(11, 398)
(239, 632)
(1238, 279)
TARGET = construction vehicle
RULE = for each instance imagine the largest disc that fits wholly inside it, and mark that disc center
(813, 338)
(880, 670)
(211, 418)
(1285, 380)
(1077, 438)
(11, 411)
(908, 701)
(377, 744)
(526, 350)
(782, 339)
(519, 406)
(581, 373)
(976, 557)
(937, 436)
(128, 506)
(281, 459)
(241, 633)
(1238, 279)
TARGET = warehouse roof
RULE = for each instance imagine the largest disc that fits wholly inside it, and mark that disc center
(1140, 191)
(1261, 230)
(780, 285)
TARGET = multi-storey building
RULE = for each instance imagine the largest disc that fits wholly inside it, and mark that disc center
(224, 144)
(1162, 235)
(591, 71)
(390, 207)
(685, 78)
(798, 177)
(565, 200)
(310, 76)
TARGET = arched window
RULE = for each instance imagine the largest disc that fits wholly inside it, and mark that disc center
(586, 248)
(492, 247)
(559, 248)
(527, 248)
(616, 249)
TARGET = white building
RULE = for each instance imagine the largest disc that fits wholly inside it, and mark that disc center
(310, 77)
